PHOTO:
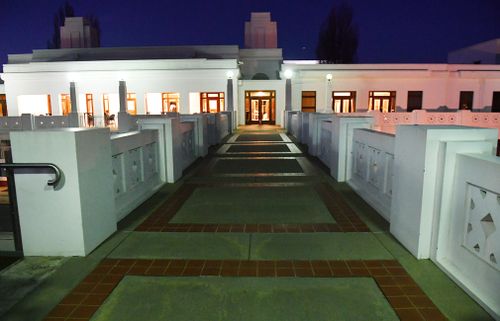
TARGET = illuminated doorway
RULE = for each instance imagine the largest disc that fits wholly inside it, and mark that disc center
(260, 107)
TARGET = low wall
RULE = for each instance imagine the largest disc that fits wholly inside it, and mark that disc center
(387, 122)
(468, 241)
(372, 168)
(325, 142)
(135, 169)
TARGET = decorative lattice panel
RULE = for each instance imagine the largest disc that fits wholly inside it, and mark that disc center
(360, 160)
(390, 174)
(482, 228)
(376, 167)
(118, 181)
(133, 168)
(150, 161)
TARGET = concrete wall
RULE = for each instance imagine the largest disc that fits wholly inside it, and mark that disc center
(441, 84)
(76, 216)
(182, 76)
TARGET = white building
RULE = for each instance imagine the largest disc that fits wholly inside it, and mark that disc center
(251, 81)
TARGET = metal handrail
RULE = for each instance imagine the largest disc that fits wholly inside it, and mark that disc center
(55, 168)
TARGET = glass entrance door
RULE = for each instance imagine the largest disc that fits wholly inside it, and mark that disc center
(260, 107)
(261, 110)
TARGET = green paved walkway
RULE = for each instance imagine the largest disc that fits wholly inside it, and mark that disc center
(261, 233)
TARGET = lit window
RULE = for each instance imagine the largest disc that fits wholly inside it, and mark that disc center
(384, 101)
(344, 101)
(212, 102)
(131, 103)
(170, 102)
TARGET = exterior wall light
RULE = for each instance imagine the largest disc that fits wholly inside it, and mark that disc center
(73, 77)
(230, 74)
(329, 77)
(288, 74)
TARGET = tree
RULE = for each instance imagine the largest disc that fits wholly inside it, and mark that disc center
(64, 11)
(95, 25)
(338, 37)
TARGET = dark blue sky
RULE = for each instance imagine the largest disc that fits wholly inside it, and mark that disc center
(390, 31)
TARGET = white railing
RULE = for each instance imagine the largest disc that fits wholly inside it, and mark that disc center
(314, 132)
(44, 122)
(222, 126)
(387, 122)
(468, 240)
(325, 142)
(295, 125)
(135, 169)
(372, 168)
(188, 150)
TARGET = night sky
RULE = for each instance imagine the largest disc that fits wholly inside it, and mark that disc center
(391, 31)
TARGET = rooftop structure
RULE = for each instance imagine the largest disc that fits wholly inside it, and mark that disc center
(261, 32)
(77, 32)
(487, 52)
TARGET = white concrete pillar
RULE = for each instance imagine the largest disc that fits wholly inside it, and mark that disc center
(122, 93)
(288, 94)
(124, 119)
(229, 95)
(170, 145)
(328, 93)
(73, 97)
(73, 218)
(417, 188)
(341, 150)
(74, 119)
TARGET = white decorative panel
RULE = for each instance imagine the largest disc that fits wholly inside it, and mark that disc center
(133, 168)
(150, 160)
(118, 181)
(360, 160)
(325, 144)
(187, 145)
(482, 229)
(376, 168)
(389, 173)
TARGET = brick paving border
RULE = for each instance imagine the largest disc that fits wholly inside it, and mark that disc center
(346, 219)
(404, 295)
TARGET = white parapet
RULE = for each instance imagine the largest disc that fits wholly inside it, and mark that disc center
(468, 243)
(372, 168)
(342, 140)
(136, 172)
(176, 145)
(419, 166)
(313, 139)
(75, 217)
(200, 122)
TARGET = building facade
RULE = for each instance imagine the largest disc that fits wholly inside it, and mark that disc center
(254, 81)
